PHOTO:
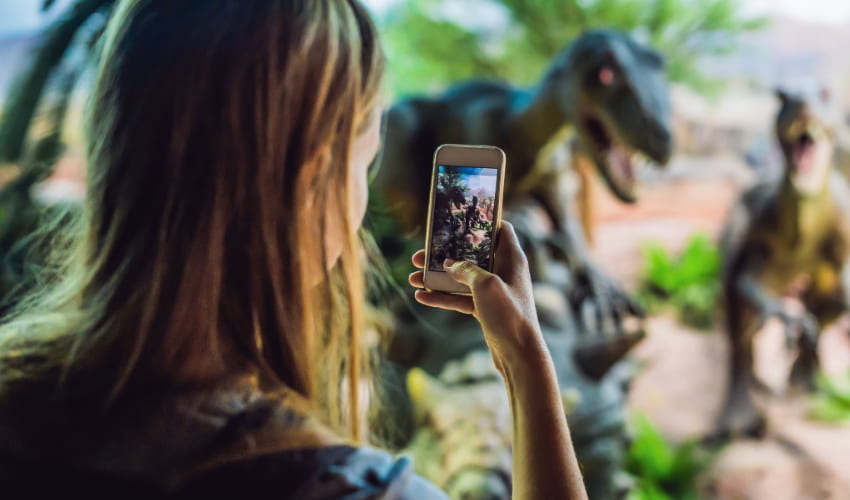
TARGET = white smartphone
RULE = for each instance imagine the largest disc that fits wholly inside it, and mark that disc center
(464, 211)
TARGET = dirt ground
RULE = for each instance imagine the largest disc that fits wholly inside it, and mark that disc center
(682, 383)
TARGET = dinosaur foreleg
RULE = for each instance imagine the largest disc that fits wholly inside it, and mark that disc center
(825, 308)
(598, 299)
(796, 325)
(806, 365)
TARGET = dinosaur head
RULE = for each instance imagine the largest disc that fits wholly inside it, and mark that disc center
(620, 103)
(805, 129)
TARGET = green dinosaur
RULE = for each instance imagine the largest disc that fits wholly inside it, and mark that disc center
(788, 236)
(528, 125)
(605, 89)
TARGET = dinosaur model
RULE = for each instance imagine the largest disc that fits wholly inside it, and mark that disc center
(613, 92)
(789, 236)
(606, 88)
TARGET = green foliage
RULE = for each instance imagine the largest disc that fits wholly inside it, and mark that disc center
(433, 43)
(690, 283)
(451, 188)
(661, 470)
(831, 404)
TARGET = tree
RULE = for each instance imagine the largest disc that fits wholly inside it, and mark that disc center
(433, 43)
(452, 187)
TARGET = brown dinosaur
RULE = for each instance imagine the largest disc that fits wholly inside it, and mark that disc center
(788, 236)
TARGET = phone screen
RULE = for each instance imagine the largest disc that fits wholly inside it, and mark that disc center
(463, 218)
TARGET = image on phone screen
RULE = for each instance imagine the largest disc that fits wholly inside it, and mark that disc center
(464, 208)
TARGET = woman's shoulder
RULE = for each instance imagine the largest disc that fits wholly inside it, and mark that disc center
(329, 472)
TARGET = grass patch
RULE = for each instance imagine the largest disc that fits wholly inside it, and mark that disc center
(688, 283)
(831, 404)
(662, 470)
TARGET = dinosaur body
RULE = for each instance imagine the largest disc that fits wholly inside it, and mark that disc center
(605, 91)
(786, 237)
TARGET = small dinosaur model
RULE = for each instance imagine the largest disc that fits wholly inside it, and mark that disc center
(605, 88)
(788, 236)
(463, 438)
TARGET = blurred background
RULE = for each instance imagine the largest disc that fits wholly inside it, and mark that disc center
(724, 60)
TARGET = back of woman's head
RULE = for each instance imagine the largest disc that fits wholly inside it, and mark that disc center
(219, 135)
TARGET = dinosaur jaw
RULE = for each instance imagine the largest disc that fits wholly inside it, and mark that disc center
(809, 157)
(617, 162)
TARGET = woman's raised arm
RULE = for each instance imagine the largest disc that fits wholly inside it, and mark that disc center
(544, 461)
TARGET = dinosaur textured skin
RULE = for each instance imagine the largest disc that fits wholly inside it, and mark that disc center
(786, 237)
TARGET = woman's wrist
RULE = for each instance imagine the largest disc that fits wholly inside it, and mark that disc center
(528, 361)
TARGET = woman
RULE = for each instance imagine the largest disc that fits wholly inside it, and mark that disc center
(202, 328)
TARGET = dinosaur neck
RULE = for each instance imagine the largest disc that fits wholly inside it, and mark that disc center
(799, 213)
(539, 113)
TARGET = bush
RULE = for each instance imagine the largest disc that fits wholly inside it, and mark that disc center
(831, 403)
(690, 283)
(661, 470)
(519, 38)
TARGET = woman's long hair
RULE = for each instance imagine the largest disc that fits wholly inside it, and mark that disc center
(218, 144)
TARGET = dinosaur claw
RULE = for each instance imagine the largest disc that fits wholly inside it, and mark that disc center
(596, 358)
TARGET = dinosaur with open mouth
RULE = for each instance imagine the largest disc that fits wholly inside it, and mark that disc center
(606, 97)
(605, 91)
(784, 237)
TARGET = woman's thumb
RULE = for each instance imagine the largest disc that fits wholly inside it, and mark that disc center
(465, 272)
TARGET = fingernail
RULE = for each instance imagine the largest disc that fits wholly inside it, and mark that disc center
(448, 262)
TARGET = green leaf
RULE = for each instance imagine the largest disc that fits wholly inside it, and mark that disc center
(831, 404)
(663, 470)
(649, 456)
(689, 282)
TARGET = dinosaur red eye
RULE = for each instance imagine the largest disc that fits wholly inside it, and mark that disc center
(606, 76)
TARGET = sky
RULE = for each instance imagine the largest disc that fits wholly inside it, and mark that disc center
(20, 16)
(478, 179)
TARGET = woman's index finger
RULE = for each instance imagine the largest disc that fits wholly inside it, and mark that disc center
(418, 259)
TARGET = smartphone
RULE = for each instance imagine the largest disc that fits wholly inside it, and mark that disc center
(464, 211)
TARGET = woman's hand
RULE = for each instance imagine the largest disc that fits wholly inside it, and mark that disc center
(502, 302)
